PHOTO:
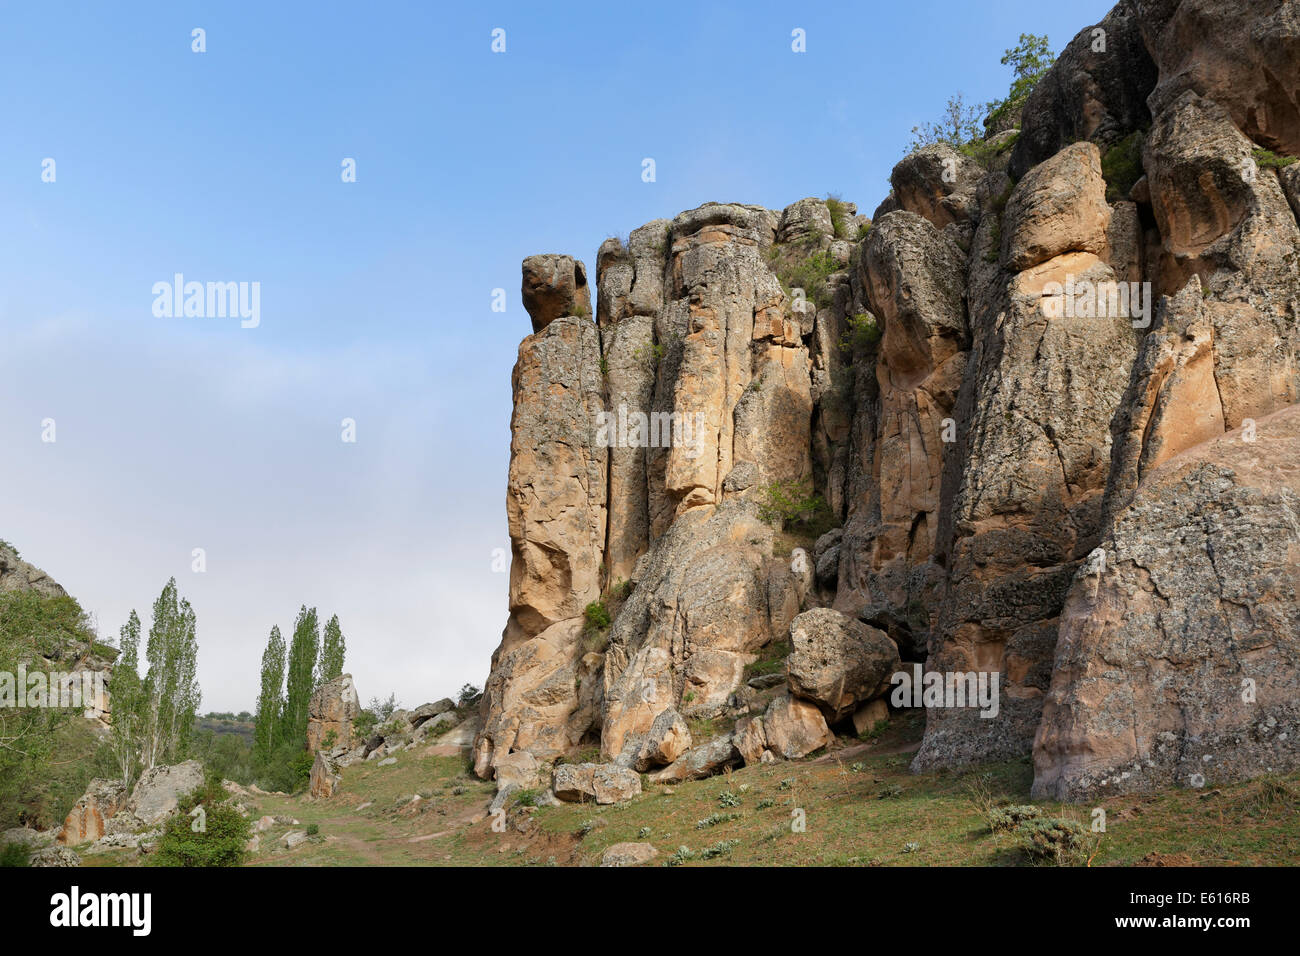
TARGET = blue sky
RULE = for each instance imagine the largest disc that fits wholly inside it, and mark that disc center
(182, 433)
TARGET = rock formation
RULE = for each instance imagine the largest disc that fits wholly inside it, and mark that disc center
(331, 711)
(1043, 397)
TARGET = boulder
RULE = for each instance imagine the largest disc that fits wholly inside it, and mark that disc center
(795, 728)
(838, 662)
(603, 783)
(750, 740)
(86, 821)
(158, 791)
(628, 854)
(938, 183)
(667, 739)
(704, 760)
(294, 839)
(517, 770)
(428, 711)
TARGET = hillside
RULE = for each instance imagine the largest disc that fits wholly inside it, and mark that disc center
(864, 808)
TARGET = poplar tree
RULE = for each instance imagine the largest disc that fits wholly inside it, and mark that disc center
(333, 648)
(126, 696)
(300, 679)
(270, 702)
(171, 694)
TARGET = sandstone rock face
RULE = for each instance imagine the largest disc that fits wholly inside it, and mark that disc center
(837, 662)
(963, 383)
(556, 494)
(914, 278)
(1242, 59)
(87, 820)
(1060, 206)
(938, 183)
(1030, 465)
(1096, 90)
(1179, 658)
(555, 286)
(697, 615)
(331, 711)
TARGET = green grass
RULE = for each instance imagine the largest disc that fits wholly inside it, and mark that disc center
(862, 807)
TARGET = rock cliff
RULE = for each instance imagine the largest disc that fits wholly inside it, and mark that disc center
(1031, 421)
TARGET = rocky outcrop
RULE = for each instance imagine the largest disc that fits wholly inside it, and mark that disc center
(1033, 421)
(87, 821)
(554, 286)
(17, 575)
(984, 385)
(556, 493)
(913, 276)
(84, 666)
(1243, 59)
(1179, 653)
(1096, 91)
(331, 711)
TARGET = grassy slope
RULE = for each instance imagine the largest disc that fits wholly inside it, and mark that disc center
(863, 809)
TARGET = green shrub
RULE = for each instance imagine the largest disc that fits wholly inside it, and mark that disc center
(791, 502)
(1267, 159)
(1005, 819)
(597, 615)
(15, 854)
(223, 840)
(364, 724)
(810, 274)
(721, 848)
(839, 215)
(1054, 840)
(313, 829)
(1121, 166)
(861, 333)
(713, 819)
